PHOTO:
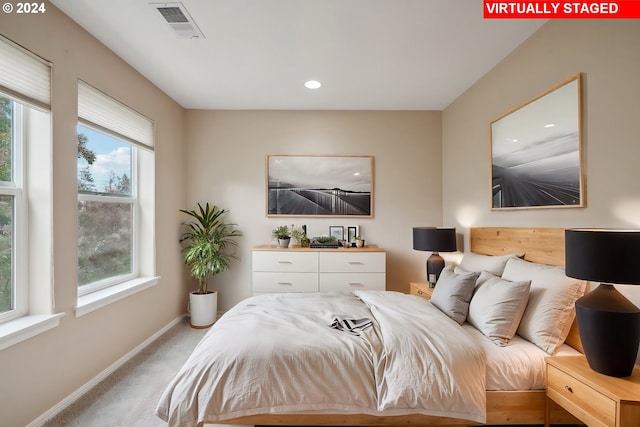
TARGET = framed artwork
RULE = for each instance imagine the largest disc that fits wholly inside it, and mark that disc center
(320, 186)
(536, 151)
(336, 231)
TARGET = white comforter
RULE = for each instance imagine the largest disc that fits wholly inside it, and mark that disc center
(277, 354)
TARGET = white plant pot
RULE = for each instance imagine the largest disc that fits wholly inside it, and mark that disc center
(203, 309)
(284, 243)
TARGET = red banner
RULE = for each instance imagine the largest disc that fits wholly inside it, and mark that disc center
(623, 9)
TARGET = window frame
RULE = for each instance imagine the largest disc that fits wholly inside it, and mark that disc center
(99, 111)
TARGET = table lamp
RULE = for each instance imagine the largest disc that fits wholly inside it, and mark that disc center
(608, 323)
(436, 240)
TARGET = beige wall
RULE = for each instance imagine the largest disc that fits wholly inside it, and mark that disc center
(38, 373)
(606, 52)
(226, 158)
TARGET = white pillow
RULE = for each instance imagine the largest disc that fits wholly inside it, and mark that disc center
(477, 262)
(497, 306)
(551, 309)
(453, 293)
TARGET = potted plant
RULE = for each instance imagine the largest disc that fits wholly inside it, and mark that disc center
(359, 242)
(283, 235)
(300, 235)
(206, 246)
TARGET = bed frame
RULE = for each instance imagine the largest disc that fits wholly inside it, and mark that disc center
(541, 245)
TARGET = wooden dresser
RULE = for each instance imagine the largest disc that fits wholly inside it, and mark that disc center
(297, 269)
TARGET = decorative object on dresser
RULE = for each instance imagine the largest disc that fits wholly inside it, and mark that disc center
(326, 242)
(434, 239)
(283, 235)
(326, 186)
(206, 246)
(536, 151)
(308, 270)
(609, 324)
(300, 234)
(337, 232)
(352, 233)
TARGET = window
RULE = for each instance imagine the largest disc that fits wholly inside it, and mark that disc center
(115, 183)
(107, 210)
(26, 196)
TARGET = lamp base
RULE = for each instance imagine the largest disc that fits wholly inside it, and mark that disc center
(609, 327)
(435, 264)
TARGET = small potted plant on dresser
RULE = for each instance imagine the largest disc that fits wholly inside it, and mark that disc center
(283, 235)
(300, 235)
(206, 246)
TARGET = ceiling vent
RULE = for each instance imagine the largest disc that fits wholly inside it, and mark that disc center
(176, 15)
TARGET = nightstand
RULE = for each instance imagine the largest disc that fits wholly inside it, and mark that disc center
(421, 289)
(595, 399)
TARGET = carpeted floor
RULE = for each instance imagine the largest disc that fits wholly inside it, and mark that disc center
(128, 397)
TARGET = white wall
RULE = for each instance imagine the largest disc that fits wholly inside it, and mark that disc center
(607, 55)
(38, 373)
(226, 158)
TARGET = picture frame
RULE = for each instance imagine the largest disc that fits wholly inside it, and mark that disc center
(536, 151)
(352, 232)
(319, 186)
(336, 231)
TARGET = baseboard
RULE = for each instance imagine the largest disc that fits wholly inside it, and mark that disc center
(63, 404)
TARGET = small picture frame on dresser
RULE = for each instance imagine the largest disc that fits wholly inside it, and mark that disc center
(352, 232)
(336, 231)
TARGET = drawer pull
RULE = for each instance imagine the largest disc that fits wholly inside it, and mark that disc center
(285, 283)
(355, 284)
(355, 262)
(420, 292)
(568, 388)
(285, 262)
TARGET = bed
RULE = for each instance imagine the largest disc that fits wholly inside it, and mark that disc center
(366, 373)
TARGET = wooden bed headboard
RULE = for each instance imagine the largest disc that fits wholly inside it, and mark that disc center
(540, 245)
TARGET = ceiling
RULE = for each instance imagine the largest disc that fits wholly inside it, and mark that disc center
(256, 54)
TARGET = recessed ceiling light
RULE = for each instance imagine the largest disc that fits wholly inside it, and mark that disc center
(550, 125)
(312, 84)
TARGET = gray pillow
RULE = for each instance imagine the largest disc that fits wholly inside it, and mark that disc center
(453, 293)
(497, 306)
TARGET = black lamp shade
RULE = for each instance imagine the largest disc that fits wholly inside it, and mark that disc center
(610, 256)
(608, 323)
(434, 240)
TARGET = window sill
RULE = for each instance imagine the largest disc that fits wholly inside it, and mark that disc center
(23, 328)
(96, 300)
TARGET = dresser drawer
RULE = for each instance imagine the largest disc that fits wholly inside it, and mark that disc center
(585, 403)
(283, 261)
(352, 281)
(267, 282)
(353, 262)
